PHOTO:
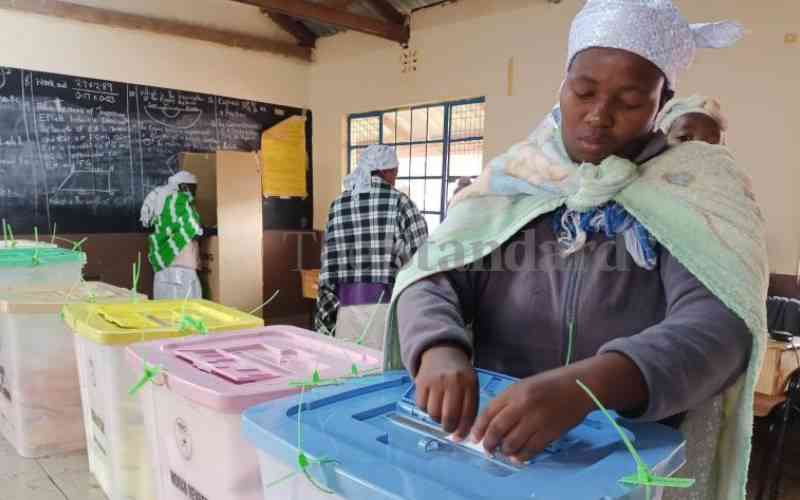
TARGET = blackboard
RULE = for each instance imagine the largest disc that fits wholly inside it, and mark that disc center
(81, 153)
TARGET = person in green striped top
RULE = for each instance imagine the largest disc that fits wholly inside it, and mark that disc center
(173, 246)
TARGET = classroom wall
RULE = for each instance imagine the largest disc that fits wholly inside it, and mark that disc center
(465, 49)
(43, 43)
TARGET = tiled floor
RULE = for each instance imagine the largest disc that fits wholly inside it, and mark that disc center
(55, 478)
(68, 478)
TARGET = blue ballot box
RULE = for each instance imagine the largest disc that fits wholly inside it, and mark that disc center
(375, 444)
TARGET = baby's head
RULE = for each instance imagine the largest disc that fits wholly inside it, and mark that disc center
(695, 118)
(695, 127)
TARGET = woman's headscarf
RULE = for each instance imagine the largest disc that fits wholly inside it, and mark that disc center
(154, 202)
(652, 29)
(374, 158)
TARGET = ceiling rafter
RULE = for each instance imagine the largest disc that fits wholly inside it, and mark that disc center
(389, 12)
(304, 36)
(106, 17)
(305, 10)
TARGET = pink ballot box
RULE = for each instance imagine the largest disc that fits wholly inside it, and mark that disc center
(193, 406)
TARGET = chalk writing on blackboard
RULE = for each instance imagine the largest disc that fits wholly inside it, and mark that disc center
(83, 153)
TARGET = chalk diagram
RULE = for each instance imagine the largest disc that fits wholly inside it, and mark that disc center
(85, 178)
(86, 175)
(177, 117)
(173, 112)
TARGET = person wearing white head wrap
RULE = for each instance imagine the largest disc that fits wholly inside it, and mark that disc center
(154, 202)
(651, 44)
(174, 251)
(374, 159)
(373, 230)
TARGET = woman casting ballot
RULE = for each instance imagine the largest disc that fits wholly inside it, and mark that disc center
(592, 251)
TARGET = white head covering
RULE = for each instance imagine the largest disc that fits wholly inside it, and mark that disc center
(182, 177)
(154, 202)
(652, 29)
(374, 158)
(676, 108)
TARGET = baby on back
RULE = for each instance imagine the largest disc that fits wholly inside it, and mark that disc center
(695, 118)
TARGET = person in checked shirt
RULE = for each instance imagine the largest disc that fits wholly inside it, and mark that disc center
(373, 230)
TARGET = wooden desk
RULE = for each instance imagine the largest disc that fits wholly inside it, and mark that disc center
(779, 364)
(780, 361)
(763, 404)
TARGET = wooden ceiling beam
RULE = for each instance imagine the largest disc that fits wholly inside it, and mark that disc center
(106, 17)
(388, 11)
(305, 37)
(309, 11)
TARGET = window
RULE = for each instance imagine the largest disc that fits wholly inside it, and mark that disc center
(436, 144)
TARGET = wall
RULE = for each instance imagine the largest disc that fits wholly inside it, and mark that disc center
(48, 44)
(465, 49)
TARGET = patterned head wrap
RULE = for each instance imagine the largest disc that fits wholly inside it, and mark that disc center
(652, 29)
(374, 158)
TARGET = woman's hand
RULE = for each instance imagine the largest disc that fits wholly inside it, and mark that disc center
(538, 410)
(447, 389)
(531, 414)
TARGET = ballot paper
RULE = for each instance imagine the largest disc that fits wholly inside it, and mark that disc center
(467, 443)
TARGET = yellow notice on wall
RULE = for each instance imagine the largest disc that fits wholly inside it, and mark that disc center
(284, 159)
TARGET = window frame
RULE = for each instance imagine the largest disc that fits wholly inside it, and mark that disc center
(446, 141)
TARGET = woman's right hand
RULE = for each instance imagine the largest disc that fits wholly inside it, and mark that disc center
(447, 389)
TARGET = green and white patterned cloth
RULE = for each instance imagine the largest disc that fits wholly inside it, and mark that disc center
(175, 228)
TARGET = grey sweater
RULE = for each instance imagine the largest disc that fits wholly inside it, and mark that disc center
(521, 300)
